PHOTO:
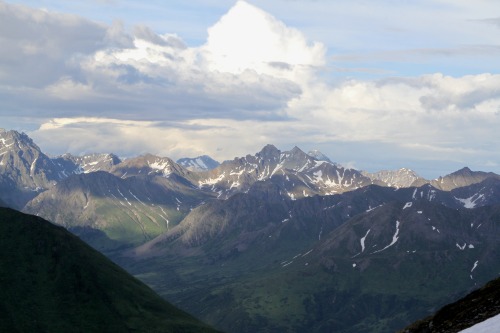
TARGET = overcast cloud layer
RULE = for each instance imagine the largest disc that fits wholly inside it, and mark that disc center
(77, 85)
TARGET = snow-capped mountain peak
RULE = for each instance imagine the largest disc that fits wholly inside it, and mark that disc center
(396, 178)
(200, 163)
(297, 173)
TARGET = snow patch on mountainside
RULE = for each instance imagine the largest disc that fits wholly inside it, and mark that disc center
(370, 208)
(395, 238)
(471, 202)
(211, 181)
(362, 241)
(161, 165)
(474, 267)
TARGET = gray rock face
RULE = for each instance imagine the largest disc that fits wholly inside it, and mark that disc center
(397, 178)
(409, 178)
(87, 163)
(24, 170)
(200, 163)
(461, 178)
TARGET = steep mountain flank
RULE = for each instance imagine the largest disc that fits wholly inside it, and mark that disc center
(474, 308)
(53, 282)
(370, 260)
(128, 211)
(24, 170)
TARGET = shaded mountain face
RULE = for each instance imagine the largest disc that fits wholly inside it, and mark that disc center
(264, 206)
(369, 260)
(476, 307)
(480, 194)
(53, 282)
(200, 163)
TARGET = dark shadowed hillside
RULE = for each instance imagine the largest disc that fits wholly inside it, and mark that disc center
(50, 281)
(476, 307)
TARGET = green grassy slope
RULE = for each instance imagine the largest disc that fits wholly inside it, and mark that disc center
(50, 281)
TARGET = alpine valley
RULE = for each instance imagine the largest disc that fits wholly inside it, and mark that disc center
(279, 241)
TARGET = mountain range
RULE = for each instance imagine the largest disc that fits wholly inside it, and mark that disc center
(276, 241)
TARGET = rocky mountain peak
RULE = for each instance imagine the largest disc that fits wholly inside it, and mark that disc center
(200, 163)
(149, 165)
(24, 169)
(465, 171)
(15, 140)
(296, 159)
(269, 152)
(396, 178)
(297, 151)
(87, 163)
(461, 178)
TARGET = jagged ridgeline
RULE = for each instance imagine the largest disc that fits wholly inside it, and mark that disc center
(50, 281)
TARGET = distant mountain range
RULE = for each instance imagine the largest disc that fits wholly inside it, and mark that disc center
(283, 241)
(26, 171)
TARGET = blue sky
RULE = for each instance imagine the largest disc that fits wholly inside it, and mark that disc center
(374, 85)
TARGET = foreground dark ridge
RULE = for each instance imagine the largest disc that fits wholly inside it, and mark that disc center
(50, 281)
(474, 308)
